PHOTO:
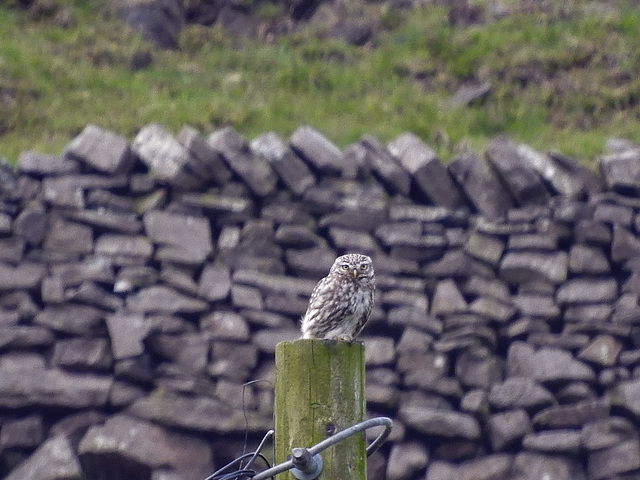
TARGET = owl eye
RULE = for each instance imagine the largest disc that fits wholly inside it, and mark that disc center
(345, 267)
(364, 266)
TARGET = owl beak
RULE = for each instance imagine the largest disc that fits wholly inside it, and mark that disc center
(355, 273)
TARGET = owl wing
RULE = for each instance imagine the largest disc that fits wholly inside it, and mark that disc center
(328, 303)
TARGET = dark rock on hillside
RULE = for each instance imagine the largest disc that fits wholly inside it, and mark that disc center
(158, 22)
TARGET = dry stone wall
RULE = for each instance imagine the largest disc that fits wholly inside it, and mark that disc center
(143, 285)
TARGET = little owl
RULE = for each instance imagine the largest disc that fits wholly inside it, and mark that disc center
(341, 302)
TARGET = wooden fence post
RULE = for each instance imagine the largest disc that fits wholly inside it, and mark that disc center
(320, 391)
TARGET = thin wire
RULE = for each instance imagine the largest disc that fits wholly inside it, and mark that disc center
(221, 475)
(257, 453)
(244, 412)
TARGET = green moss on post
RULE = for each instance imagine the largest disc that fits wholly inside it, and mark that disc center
(320, 391)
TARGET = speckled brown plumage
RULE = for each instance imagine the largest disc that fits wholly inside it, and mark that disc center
(341, 302)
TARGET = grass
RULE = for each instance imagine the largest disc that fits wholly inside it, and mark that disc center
(565, 78)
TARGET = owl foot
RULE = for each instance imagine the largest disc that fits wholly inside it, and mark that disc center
(343, 338)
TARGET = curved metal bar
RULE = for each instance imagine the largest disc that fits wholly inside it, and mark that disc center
(380, 439)
(358, 427)
(329, 442)
(273, 471)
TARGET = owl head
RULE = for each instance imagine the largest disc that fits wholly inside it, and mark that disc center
(353, 265)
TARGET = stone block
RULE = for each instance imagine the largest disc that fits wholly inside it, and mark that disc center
(102, 150)
(164, 299)
(126, 333)
(447, 299)
(439, 422)
(584, 259)
(556, 441)
(615, 460)
(604, 351)
(55, 458)
(546, 364)
(587, 290)
(506, 429)
(196, 413)
(125, 446)
(481, 186)
(189, 238)
(386, 169)
(291, 170)
(68, 237)
(477, 368)
(539, 466)
(428, 174)
(166, 158)
(122, 248)
(522, 180)
(82, 354)
(526, 266)
(205, 160)
(71, 319)
(41, 164)
(621, 171)
(214, 283)
(406, 460)
(27, 275)
(607, 432)
(53, 388)
(25, 432)
(104, 220)
(254, 170)
(315, 149)
(487, 248)
(573, 415)
(567, 182)
(188, 351)
(224, 325)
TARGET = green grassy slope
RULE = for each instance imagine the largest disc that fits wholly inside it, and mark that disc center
(565, 78)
